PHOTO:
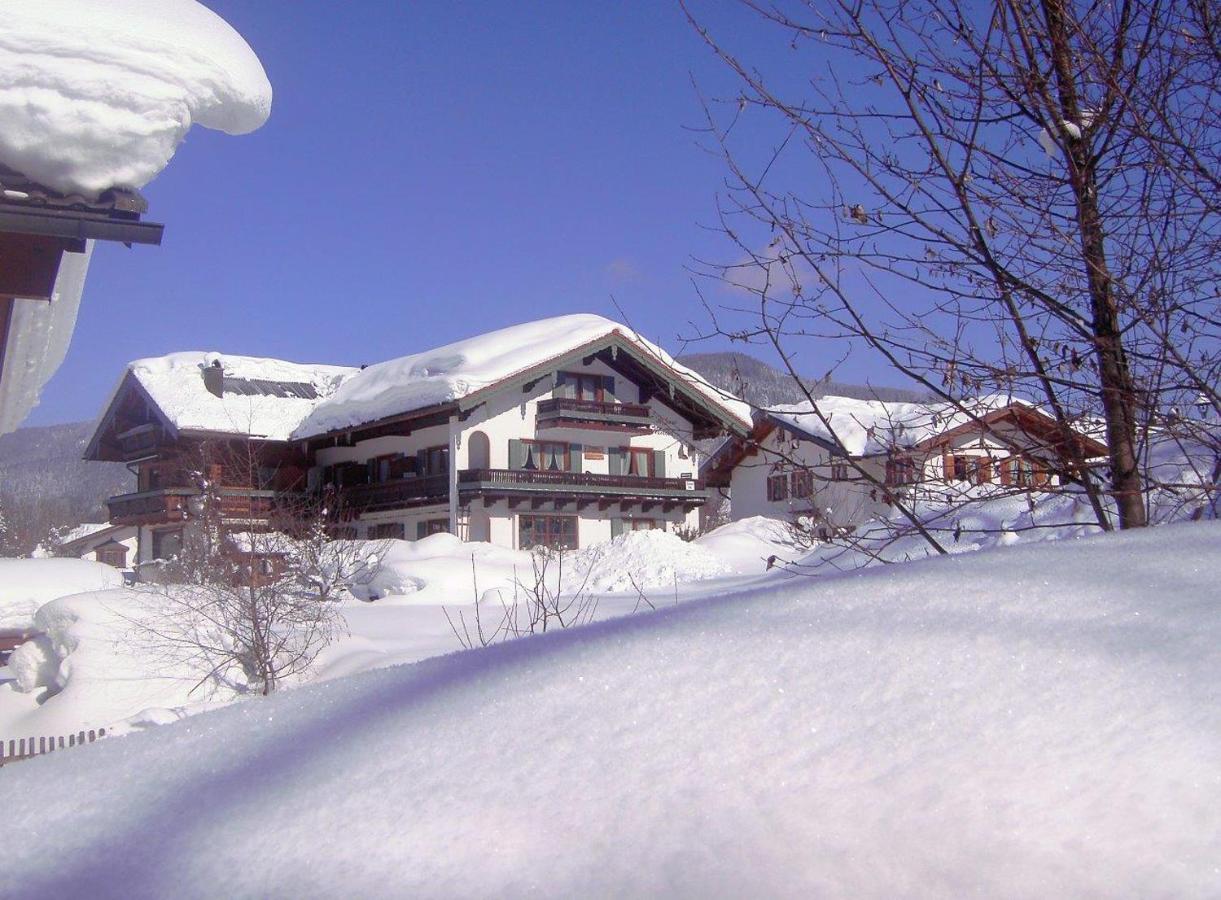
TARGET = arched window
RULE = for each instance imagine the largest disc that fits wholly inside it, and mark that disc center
(479, 451)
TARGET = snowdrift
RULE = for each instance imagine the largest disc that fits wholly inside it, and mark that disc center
(26, 584)
(1034, 721)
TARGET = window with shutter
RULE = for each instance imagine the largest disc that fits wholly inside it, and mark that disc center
(777, 488)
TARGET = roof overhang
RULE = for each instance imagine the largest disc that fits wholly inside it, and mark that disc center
(77, 225)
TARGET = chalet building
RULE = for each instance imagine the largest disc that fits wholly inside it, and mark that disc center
(46, 240)
(563, 432)
(794, 463)
(111, 545)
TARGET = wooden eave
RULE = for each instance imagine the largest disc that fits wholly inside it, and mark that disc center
(114, 215)
(1028, 420)
(127, 385)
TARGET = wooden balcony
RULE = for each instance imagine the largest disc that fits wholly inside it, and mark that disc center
(510, 482)
(401, 493)
(408, 493)
(169, 505)
(561, 412)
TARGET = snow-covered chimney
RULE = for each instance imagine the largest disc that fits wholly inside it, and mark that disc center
(214, 378)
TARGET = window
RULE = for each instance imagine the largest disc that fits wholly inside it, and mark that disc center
(840, 471)
(435, 461)
(803, 484)
(900, 470)
(777, 487)
(167, 544)
(959, 468)
(641, 524)
(430, 527)
(584, 386)
(387, 531)
(639, 461)
(547, 531)
(1025, 472)
(545, 456)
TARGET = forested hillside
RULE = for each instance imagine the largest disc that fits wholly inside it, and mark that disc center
(762, 385)
(44, 483)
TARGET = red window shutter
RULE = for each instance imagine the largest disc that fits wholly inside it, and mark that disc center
(1006, 467)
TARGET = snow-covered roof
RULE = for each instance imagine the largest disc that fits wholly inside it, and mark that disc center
(97, 94)
(176, 384)
(458, 370)
(866, 427)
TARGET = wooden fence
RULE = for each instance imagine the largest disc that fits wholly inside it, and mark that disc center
(24, 748)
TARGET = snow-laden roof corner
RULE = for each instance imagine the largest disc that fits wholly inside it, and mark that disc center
(176, 384)
(97, 94)
(456, 370)
(865, 427)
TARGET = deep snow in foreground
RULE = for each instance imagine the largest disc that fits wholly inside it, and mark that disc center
(26, 584)
(1031, 721)
(97, 94)
(96, 666)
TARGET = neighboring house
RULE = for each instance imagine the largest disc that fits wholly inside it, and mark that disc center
(189, 421)
(46, 240)
(562, 432)
(113, 545)
(845, 466)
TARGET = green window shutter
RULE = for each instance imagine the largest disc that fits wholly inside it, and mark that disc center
(659, 463)
(608, 386)
(421, 530)
(615, 461)
(564, 385)
(517, 454)
(574, 457)
(421, 463)
(616, 528)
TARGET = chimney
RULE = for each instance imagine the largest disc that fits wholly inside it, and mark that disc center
(214, 378)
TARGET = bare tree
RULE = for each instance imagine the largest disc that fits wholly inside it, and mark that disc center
(251, 605)
(543, 600)
(1018, 196)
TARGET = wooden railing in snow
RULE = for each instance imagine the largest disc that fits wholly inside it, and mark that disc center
(24, 748)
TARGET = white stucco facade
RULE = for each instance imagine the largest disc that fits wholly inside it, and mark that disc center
(483, 439)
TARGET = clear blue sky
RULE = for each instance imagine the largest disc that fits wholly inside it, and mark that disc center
(430, 171)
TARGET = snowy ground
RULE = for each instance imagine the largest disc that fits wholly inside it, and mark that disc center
(97, 668)
(1033, 721)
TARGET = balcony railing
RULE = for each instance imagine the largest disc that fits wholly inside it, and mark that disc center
(562, 411)
(577, 482)
(396, 494)
(174, 505)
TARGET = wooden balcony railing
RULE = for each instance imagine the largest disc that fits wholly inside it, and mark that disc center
(564, 412)
(580, 482)
(395, 494)
(174, 505)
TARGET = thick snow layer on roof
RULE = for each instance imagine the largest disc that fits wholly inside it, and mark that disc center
(99, 93)
(461, 368)
(864, 427)
(1032, 722)
(175, 383)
